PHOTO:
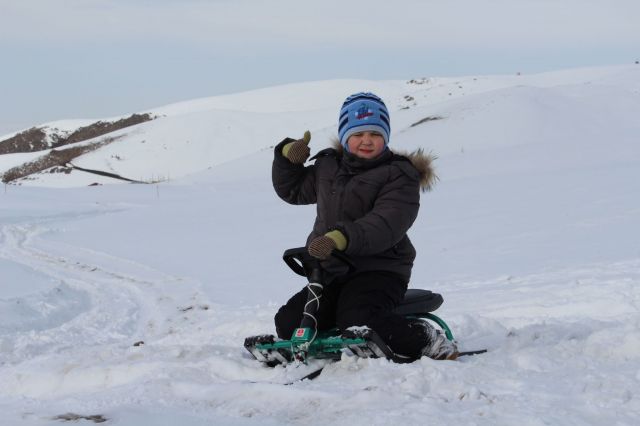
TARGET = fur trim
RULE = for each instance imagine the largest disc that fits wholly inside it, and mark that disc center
(424, 164)
(421, 161)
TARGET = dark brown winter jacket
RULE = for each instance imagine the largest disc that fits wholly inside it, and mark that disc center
(372, 202)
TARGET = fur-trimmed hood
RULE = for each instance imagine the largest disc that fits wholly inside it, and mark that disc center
(423, 162)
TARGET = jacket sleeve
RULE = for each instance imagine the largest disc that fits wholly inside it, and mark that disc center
(294, 183)
(393, 213)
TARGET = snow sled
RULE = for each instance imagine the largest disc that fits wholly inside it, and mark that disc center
(309, 343)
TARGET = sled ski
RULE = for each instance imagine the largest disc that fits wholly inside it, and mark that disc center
(363, 343)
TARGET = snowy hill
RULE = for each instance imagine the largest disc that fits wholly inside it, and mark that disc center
(190, 137)
(531, 236)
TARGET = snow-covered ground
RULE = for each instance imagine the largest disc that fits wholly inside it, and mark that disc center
(531, 235)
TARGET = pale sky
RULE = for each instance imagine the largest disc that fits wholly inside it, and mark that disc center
(102, 58)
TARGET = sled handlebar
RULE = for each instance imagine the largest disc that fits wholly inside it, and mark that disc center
(299, 260)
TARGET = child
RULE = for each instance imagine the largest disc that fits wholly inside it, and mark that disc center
(367, 199)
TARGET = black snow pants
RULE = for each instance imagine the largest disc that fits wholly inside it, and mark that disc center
(365, 299)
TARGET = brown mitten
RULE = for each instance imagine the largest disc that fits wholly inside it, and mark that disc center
(321, 247)
(297, 152)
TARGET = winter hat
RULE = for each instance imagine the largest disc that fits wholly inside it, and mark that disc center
(362, 112)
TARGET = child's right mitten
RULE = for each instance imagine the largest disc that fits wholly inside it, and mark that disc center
(297, 152)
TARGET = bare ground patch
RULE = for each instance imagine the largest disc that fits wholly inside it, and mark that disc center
(55, 158)
(426, 120)
(35, 139)
(31, 140)
(73, 417)
(100, 128)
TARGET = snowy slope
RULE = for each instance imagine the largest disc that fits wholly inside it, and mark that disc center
(531, 235)
(193, 136)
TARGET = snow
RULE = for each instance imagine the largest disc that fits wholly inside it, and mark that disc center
(531, 236)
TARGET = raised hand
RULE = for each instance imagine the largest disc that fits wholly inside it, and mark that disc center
(297, 152)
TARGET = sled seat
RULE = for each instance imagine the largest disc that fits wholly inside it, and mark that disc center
(419, 301)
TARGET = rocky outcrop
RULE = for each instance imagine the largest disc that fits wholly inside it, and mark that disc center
(54, 158)
(32, 140)
(36, 139)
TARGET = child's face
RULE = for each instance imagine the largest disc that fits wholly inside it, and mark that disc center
(366, 144)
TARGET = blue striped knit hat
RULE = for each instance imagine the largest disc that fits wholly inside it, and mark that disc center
(362, 112)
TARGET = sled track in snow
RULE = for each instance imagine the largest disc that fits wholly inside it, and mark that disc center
(115, 301)
(96, 302)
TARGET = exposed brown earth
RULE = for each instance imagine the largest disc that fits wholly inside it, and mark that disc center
(102, 128)
(34, 139)
(426, 120)
(73, 417)
(31, 140)
(57, 160)
(56, 157)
